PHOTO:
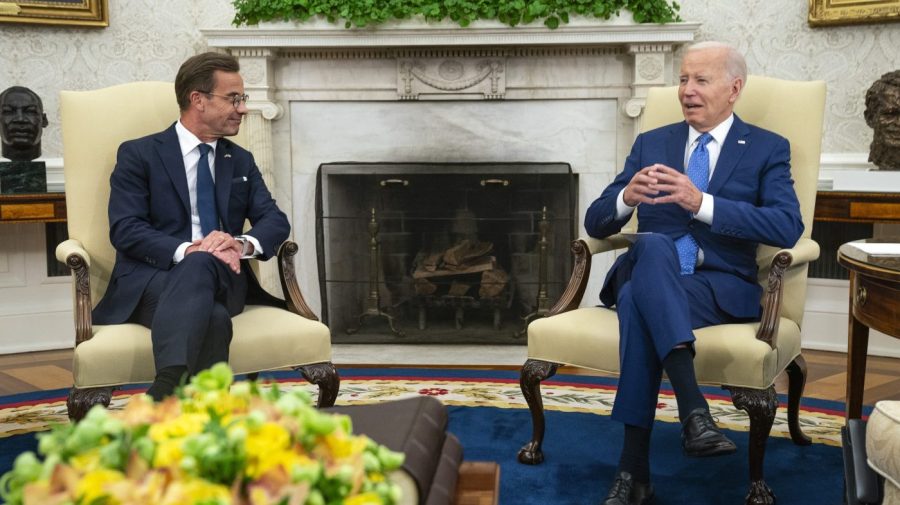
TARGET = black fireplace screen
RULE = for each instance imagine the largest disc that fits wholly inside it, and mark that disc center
(441, 253)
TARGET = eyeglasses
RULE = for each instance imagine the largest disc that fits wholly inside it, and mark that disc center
(236, 100)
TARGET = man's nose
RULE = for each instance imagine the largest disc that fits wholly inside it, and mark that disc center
(20, 116)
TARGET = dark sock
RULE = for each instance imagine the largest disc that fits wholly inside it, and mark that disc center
(679, 367)
(635, 457)
(166, 381)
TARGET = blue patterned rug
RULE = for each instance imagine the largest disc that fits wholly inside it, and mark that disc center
(491, 418)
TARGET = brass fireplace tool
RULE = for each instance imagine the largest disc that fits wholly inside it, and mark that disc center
(543, 302)
(373, 303)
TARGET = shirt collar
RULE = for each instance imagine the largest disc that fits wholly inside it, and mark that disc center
(718, 133)
(187, 141)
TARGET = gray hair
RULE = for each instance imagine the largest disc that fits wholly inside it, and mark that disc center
(735, 64)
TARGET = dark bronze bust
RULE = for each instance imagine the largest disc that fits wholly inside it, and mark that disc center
(22, 121)
(883, 115)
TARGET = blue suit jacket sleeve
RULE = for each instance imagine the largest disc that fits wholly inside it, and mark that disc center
(774, 217)
(600, 220)
(139, 229)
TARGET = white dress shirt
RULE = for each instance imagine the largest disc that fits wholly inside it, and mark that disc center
(190, 153)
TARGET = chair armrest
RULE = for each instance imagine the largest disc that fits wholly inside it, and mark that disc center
(292, 295)
(69, 247)
(610, 243)
(74, 255)
(805, 251)
(583, 249)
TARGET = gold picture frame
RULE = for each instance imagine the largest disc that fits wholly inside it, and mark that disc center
(90, 13)
(846, 12)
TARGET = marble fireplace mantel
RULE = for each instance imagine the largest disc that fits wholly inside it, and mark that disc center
(415, 91)
(650, 45)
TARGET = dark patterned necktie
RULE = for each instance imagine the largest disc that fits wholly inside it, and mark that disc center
(206, 193)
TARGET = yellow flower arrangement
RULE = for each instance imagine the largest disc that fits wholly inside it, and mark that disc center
(213, 444)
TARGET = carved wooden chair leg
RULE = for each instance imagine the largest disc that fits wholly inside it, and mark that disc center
(796, 371)
(533, 372)
(760, 405)
(80, 401)
(326, 377)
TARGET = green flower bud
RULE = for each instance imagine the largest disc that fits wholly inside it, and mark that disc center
(371, 463)
(320, 424)
(145, 448)
(315, 498)
(390, 460)
(306, 473)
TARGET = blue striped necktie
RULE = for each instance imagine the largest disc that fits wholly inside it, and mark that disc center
(698, 171)
(206, 193)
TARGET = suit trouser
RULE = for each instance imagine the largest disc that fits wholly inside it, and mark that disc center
(189, 309)
(657, 309)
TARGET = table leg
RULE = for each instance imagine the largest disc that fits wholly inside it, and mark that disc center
(857, 348)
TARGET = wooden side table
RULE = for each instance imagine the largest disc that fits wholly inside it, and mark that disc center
(33, 208)
(857, 207)
(874, 303)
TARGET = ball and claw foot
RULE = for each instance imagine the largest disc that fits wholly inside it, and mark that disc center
(760, 494)
(531, 454)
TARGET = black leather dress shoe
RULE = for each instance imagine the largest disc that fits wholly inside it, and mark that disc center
(701, 437)
(625, 491)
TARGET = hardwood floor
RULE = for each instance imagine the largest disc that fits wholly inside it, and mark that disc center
(826, 376)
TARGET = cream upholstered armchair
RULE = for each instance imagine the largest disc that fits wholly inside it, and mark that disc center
(94, 123)
(743, 358)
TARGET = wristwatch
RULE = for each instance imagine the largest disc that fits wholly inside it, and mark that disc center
(246, 246)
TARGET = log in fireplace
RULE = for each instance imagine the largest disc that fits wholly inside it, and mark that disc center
(441, 252)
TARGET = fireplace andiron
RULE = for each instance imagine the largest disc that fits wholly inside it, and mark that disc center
(373, 303)
(543, 302)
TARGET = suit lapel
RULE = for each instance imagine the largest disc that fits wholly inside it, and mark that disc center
(675, 146)
(736, 144)
(169, 151)
(224, 174)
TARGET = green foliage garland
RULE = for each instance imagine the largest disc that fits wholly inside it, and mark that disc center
(361, 13)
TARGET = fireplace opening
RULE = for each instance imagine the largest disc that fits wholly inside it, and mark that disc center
(442, 252)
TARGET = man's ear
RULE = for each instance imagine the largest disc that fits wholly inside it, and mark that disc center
(44, 121)
(195, 99)
(737, 85)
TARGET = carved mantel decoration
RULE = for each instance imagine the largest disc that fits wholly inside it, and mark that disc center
(460, 77)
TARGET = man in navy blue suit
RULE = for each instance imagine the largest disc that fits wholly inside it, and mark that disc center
(709, 190)
(178, 203)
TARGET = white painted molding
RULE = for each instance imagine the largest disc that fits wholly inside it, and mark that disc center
(853, 172)
(56, 180)
(412, 33)
(845, 161)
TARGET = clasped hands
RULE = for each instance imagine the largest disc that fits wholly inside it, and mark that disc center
(649, 182)
(221, 245)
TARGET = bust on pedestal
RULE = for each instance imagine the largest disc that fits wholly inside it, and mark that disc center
(22, 120)
(883, 116)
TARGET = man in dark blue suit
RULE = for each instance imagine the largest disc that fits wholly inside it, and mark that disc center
(178, 203)
(707, 190)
